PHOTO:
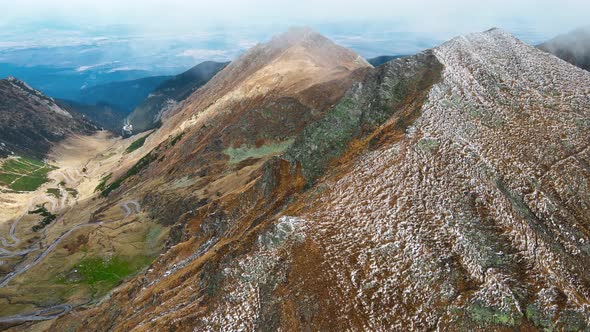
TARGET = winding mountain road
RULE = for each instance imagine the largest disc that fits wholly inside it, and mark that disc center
(7, 253)
(129, 207)
(55, 204)
(15, 240)
(128, 211)
(39, 315)
(69, 176)
(19, 270)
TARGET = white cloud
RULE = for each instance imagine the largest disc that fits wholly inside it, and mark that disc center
(124, 68)
(94, 66)
(204, 54)
(247, 43)
(84, 68)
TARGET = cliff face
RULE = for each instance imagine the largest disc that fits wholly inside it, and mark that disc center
(30, 122)
(448, 190)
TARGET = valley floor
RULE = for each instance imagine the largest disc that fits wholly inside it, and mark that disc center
(70, 158)
(51, 239)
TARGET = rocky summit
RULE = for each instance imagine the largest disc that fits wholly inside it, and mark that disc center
(303, 189)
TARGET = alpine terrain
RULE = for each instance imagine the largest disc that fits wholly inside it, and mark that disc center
(301, 188)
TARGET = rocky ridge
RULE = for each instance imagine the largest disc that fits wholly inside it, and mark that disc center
(447, 190)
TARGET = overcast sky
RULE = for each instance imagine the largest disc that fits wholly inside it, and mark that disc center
(419, 15)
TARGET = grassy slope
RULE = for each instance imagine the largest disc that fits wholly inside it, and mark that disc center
(24, 174)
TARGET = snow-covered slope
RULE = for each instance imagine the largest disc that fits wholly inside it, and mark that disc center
(479, 215)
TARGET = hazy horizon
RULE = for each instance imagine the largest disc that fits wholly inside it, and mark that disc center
(165, 37)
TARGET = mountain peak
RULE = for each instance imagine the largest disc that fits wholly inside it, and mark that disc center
(493, 30)
(498, 32)
(297, 55)
(287, 65)
(494, 40)
(297, 36)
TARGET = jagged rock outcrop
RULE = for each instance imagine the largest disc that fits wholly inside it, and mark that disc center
(466, 221)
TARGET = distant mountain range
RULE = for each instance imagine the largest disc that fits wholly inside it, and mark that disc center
(125, 95)
(108, 105)
(148, 114)
(573, 47)
(104, 115)
(145, 99)
(67, 83)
